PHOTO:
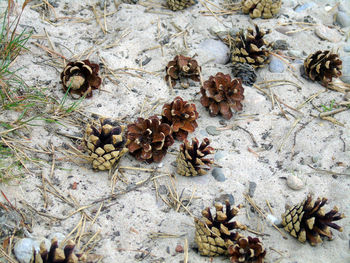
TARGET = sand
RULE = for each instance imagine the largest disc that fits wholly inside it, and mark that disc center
(133, 31)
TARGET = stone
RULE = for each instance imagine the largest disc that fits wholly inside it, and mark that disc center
(212, 130)
(24, 249)
(343, 19)
(295, 182)
(326, 33)
(219, 155)
(295, 53)
(284, 30)
(215, 50)
(218, 174)
(251, 190)
(271, 219)
(280, 44)
(347, 48)
(222, 198)
(346, 69)
(302, 8)
(276, 65)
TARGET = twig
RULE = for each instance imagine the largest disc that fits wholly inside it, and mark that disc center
(326, 171)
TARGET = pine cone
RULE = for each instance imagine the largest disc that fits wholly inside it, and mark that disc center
(251, 48)
(149, 139)
(56, 254)
(105, 143)
(176, 5)
(221, 94)
(181, 66)
(323, 66)
(245, 72)
(261, 8)
(213, 235)
(308, 221)
(191, 161)
(181, 116)
(247, 249)
(81, 77)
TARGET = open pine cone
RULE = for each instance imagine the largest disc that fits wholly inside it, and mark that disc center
(323, 66)
(213, 234)
(81, 77)
(247, 249)
(308, 220)
(176, 5)
(182, 67)
(261, 8)
(56, 254)
(245, 72)
(105, 143)
(149, 139)
(181, 116)
(191, 160)
(251, 48)
(221, 94)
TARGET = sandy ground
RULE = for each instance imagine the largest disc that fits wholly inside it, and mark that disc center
(125, 227)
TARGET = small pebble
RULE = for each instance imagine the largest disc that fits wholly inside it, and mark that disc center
(284, 30)
(343, 19)
(326, 33)
(347, 48)
(315, 159)
(252, 187)
(219, 155)
(212, 130)
(218, 174)
(222, 198)
(295, 53)
(215, 50)
(276, 65)
(179, 249)
(294, 182)
(24, 249)
(271, 219)
(280, 44)
(346, 69)
(303, 7)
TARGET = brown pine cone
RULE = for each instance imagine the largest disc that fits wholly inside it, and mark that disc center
(182, 67)
(323, 66)
(181, 116)
(213, 234)
(176, 5)
(251, 48)
(81, 77)
(247, 249)
(149, 139)
(191, 161)
(56, 254)
(105, 143)
(261, 8)
(308, 220)
(221, 94)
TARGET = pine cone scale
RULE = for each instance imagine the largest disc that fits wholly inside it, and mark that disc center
(308, 221)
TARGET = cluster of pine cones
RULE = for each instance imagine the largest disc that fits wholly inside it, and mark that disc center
(255, 8)
(216, 234)
(148, 139)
